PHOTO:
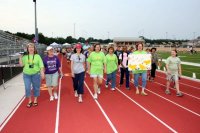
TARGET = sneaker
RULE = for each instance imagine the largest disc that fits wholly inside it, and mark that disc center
(179, 94)
(167, 92)
(99, 91)
(51, 98)
(75, 94)
(55, 95)
(95, 96)
(113, 89)
(127, 88)
(80, 100)
(106, 85)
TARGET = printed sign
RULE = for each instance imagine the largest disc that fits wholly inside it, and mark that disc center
(139, 62)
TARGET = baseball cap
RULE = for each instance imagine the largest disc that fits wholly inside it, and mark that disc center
(78, 46)
(49, 47)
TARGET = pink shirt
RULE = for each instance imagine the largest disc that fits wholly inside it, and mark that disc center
(125, 58)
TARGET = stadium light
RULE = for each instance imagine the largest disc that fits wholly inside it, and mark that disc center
(36, 29)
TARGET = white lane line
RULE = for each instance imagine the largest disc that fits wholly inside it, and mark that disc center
(172, 102)
(181, 91)
(170, 128)
(12, 113)
(58, 103)
(105, 115)
(182, 83)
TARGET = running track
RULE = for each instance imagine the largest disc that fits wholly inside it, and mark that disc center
(115, 111)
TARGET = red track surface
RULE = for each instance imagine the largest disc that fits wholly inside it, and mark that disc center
(127, 111)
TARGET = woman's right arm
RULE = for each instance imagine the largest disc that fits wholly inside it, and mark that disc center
(72, 71)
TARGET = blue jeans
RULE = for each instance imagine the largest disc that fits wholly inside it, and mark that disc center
(122, 71)
(112, 77)
(35, 81)
(78, 82)
(144, 79)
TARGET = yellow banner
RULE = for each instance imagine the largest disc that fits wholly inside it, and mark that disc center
(139, 62)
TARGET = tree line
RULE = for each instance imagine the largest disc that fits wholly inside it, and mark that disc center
(69, 39)
(60, 40)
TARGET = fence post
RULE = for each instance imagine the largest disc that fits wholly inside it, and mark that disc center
(164, 69)
(194, 75)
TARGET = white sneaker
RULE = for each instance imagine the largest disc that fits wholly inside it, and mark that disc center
(51, 98)
(75, 94)
(113, 89)
(80, 100)
(55, 95)
(95, 96)
(99, 91)
(106, 85)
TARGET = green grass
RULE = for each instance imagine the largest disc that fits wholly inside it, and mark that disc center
(187, 70)
(195, 58)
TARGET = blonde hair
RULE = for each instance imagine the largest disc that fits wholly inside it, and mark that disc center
(33, 45)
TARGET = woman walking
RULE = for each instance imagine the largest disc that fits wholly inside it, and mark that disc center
(111, 67)
(32, 73)
(123, 58)
(78, 71)
(137, 73)
(174, 72)
(154, 63)
(52, 66)
(96, 65)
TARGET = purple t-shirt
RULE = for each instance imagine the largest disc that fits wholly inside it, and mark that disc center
(51, 64)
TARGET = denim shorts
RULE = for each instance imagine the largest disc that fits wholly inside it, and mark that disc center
(51, 79)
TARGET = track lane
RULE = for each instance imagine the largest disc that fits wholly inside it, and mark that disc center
(185, 89)
(35, 119)
(166, 111)
(126, 116)
(79, 117)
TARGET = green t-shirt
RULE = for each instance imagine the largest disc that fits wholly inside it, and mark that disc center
(139, 71)
(111, 63)
(32, 61)
(96, 61)
(173, 63)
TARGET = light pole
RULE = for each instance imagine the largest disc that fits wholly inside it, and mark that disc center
(74, 30)
(193, 38)
(36, 29)
(166, 35)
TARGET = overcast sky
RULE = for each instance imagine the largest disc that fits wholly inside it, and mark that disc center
(154, 19)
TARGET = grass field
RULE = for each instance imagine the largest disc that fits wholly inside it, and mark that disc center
(195, 58)
(187, 70)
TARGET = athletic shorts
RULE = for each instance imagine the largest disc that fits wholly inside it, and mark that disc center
(96, 76)
(172, 77)
(52, 79)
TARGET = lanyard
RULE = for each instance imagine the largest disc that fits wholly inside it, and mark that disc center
(32, 59)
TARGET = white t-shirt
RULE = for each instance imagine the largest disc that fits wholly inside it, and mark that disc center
(78, 63)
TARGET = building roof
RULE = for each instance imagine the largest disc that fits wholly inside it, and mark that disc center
(127, 39)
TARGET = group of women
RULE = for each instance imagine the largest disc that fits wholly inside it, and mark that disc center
(96, 64)
(35, 68)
